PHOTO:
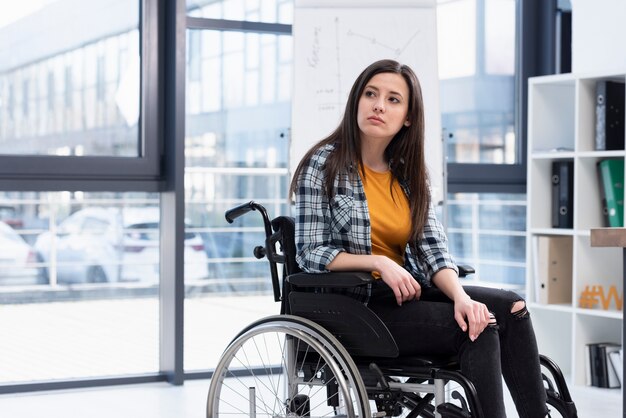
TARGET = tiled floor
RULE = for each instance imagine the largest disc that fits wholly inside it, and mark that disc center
(82, 339)
(67, 340)
(160, 400)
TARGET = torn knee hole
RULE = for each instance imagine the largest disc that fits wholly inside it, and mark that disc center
(518, 310)
(492, 320)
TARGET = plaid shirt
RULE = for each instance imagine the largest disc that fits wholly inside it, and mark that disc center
(325, 228)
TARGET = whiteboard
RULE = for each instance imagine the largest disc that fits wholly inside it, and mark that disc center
(332, 45)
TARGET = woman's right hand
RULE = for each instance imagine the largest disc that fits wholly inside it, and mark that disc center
(403, 285)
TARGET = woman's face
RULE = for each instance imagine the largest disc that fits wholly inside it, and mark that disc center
(383, 107)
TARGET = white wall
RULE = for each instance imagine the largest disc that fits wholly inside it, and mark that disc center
(598, 35)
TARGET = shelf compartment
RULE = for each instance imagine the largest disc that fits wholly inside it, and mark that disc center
(586, 112)
(540, 194)
(587, 195)
(592, 329)
(558, 349)
(552, 110)
(596, 266)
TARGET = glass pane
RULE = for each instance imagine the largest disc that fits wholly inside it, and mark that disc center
(80, 298)
(500, 37)
(477, 80)
(73, 88)
(267, 11)
(456, 37)
(487, 231)
(236, 150)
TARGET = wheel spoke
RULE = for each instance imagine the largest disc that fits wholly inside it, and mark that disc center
(290, 371)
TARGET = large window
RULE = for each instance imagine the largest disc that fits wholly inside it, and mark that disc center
(79, 208)
(79, 277)
(477, 64)
(71, 91)
(85, 291)
(238, 106)
(237, 142)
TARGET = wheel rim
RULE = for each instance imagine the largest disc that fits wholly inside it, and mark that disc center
(283, 384)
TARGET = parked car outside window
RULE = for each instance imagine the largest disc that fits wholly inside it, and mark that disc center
(96, 245)
(17, 259)
(8, 215)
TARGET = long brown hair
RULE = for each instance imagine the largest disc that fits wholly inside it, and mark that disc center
(405, 152)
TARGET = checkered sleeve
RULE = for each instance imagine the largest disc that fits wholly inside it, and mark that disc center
(433, 248)
(314, 248)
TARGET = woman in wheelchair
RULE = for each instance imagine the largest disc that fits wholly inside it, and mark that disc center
(362, 203)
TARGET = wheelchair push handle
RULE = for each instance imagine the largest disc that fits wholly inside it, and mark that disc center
(237, 211)
(259, 251)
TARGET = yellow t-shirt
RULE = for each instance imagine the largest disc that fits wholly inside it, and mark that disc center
(390, 218)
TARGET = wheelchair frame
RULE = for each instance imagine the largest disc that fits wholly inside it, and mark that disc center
(340, 331)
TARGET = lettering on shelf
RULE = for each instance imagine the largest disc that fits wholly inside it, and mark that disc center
(594, 295)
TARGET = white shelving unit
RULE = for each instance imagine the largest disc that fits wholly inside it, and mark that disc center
(561, 126)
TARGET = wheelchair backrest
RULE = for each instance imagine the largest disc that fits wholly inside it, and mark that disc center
(359, 329)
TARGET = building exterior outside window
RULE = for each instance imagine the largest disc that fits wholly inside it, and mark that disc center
(99, 113)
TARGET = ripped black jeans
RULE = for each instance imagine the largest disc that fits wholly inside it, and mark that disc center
(508, 349)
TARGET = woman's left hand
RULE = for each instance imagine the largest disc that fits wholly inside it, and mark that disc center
(471, 314)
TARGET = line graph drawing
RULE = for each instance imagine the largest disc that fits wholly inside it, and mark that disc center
(324, 94)
(397, 51)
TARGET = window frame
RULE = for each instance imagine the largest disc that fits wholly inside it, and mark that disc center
(535, 55)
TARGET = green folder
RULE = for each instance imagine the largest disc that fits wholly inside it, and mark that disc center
(612, 183)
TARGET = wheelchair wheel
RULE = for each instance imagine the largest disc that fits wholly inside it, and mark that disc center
(286, 366)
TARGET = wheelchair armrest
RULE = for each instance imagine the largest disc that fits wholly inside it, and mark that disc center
(465, 270)
(346, 279)
(331, 280)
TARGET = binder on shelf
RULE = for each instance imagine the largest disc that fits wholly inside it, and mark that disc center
(588, 364)
(617, 361)
(601, 370)
(613, 380)
(609, 133)
(553, 269)
(611, 173)
(562, 194)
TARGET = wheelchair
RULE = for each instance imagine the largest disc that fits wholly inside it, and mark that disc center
(326, 354)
